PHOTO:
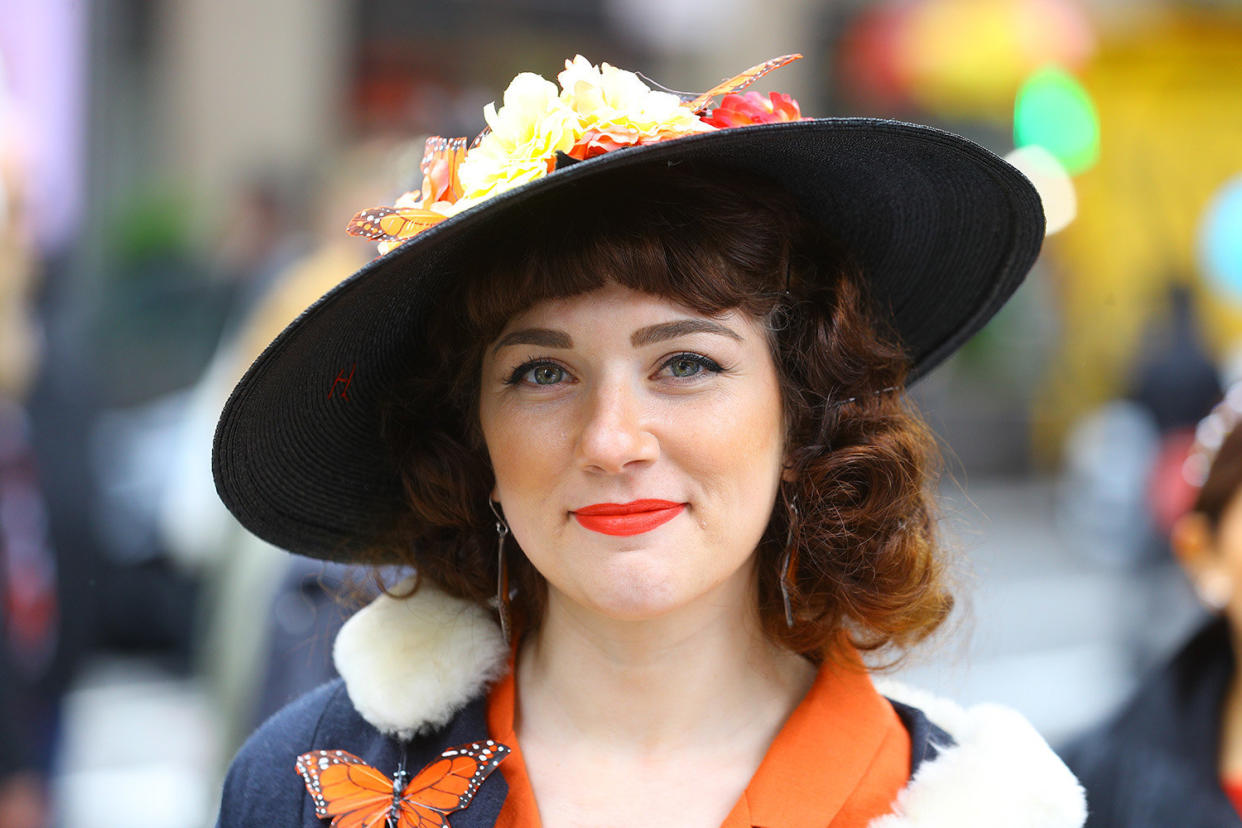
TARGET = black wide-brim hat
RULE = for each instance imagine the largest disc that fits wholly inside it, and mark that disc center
(943, 232)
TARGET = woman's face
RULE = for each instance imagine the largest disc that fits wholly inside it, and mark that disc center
(637, 447)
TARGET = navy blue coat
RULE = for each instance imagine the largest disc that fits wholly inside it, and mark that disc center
(1155, 764)
(263, 789)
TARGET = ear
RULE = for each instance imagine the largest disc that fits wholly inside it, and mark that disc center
(1194, 545)
(788, 475)
(1191, 539)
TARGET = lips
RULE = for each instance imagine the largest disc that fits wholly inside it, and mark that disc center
(632, 518)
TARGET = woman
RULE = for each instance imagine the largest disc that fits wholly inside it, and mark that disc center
(1173, 755)
(634, 389)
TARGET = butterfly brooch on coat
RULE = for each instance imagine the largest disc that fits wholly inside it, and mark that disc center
(356, 795)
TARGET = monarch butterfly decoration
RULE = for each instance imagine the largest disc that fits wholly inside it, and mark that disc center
(392, 223)
(740, 81)
(356, 795)
(441, 158)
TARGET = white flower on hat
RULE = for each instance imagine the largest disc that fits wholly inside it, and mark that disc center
(616, 102)
(527, 131)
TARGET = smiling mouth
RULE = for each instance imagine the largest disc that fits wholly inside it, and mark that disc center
(632, 518)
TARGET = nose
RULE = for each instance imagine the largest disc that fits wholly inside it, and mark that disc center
(614, 434)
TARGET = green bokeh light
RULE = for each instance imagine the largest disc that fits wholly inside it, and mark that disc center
(1055, 112)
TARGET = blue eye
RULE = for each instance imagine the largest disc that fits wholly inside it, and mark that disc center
(546, 374)
(687, 366)
(537, 373)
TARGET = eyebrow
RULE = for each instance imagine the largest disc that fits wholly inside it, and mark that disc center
(549, 338)
(543, 337)
(682, 327)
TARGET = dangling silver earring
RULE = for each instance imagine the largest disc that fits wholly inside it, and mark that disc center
(789, 560)
(502, 572)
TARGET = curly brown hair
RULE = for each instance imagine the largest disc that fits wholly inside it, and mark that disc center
(868, 568)
(1223, 482)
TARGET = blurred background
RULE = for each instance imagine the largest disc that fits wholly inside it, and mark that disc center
(175, 177)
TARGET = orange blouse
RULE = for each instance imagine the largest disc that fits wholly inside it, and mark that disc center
(839, 760)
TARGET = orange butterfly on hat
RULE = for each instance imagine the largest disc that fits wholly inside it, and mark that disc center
(441, 158)
(740, 81)
(357, 795)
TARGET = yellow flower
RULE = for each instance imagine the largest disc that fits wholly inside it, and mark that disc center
(598, 109)
(527, 131)
(616, 102)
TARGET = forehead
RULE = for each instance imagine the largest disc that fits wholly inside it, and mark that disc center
(615, 308)
(701, 263)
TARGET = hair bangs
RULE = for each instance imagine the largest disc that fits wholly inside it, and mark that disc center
(732, 256)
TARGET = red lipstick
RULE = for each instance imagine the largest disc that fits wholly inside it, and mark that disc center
(632, 518)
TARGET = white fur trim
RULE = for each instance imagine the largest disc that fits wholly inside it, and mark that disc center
(410, 664)
(1001, 772)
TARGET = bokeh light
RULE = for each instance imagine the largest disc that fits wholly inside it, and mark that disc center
(1220, 241)
(970, 56)
(1052, 182)
(1055, 112)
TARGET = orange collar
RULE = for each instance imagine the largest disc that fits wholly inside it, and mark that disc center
(520, 809)
(839, 760)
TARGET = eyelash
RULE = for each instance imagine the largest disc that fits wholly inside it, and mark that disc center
(707, 363)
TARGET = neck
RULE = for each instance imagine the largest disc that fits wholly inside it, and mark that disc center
(704, 672)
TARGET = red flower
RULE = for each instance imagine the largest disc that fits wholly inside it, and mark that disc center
(751, 108)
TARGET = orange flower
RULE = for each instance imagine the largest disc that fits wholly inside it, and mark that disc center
(597, 142)
(751, 108)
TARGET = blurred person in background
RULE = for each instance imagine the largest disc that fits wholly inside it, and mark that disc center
(659, 305)
(29, 625)
(1174, 376)
(1173, 755)
(1113, 501)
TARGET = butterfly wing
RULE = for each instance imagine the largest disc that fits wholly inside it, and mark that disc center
(413, 815)
(441, 158)
(356, 795)
(345, 788)
(392, 224)
(741, 81)
(450, 782)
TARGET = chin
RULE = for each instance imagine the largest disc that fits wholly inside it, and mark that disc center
(642, 584)
(635, 595)
(636, 607)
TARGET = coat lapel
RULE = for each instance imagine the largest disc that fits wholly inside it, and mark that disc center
(417, 669)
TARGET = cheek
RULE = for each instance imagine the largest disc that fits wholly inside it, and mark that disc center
(742, 450)
(523, 448)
